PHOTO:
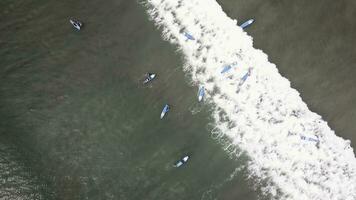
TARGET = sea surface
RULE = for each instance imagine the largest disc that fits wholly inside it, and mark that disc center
(76, 122)
(313, 45)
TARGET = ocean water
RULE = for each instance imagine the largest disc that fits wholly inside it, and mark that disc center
(312, 43)
(76, 122)
(292, 151)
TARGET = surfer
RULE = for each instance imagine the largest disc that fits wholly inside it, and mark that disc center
(149, 77)
(226, 69)
(243, 79)
(181, 161)
(201, 93)
(76, 24)
(164, 111)
(247, 23)
(188, 36)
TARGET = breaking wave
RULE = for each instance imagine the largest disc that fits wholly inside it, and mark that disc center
(289, 147)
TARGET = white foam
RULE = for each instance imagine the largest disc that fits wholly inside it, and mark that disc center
(264, 116)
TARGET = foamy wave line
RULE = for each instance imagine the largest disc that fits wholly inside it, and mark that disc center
(263, 115)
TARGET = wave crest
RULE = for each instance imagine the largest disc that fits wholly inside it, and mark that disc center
(290, 147)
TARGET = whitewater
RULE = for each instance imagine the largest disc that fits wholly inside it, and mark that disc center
(291, 149)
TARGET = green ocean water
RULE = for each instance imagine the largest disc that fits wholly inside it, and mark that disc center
(76, 122)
